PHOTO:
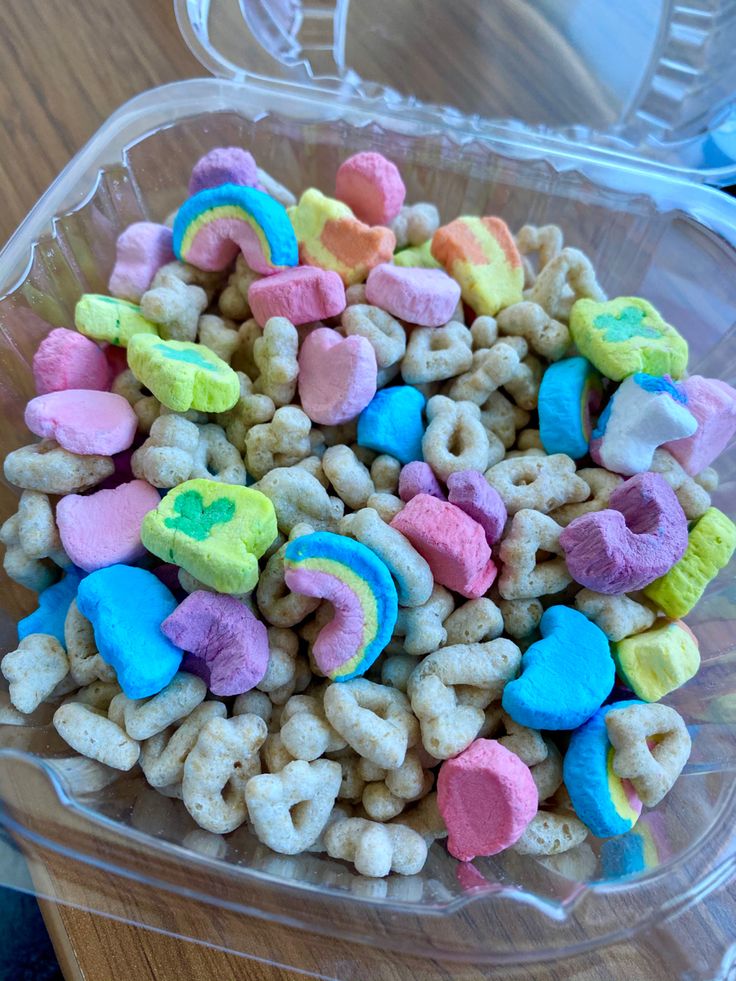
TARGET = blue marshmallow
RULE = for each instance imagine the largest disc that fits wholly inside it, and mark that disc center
(53, 606)
(565, 676)
(127, 606)
(604, 802)
(392, 423)
(569, 390)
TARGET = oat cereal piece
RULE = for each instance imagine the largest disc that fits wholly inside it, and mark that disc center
(424, 818)
(219, 335)
(243, 358)
(173, 306)
(305, 732)
(456, 439)
(545, 240)
(502, 418)
(282, 442)
(707, 479)
(233, 301)
(298, 498)
(566, 278)
(283, 646)
(216, 458)
(169, 455)
(385, 471)
(289, 809)
(85, 663)
(547, 775)
(526, 743)
(694, 499)
(384, 333)
(617, 616)
(97, 695)
(250, 410)
(537, 483)
(415, 224)
(449, 713)
(92, 734)
(484, 332)
(146, 406)
(34, 670)
(551, 833)
(350, 478)
(396, 670)
(474, 622)
(146, 717)
(524, 386)
(163, 755)
(277, 603)
(422, 627)
(602, 484)
(491, 368)
(217, 770)
(377, 849)
(375, 720)
(49, 469)
(523, 577)
(544, 335)
(254, 703)
(410, 571)
(386, 506)
(33, 549)
(652, 771)
(275, 355)
(210, 282)
(437, 353)
(521, 616)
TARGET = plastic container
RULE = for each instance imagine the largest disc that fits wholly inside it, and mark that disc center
(657, 903)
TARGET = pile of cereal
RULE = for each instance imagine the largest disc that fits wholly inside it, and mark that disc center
(365, 530)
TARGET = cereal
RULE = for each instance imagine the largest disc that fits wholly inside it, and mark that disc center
(564, 280)
(385, 335)
(103, 318)
(385, 474)
(350, 478)
(337, 376)
(410, 572)
(520, 616)
(437, 353)
(163, 755)
(182, 375)
(34, 670)
(626, 335)
(427, 297)
(601, 484)
(639, 537)
(227, 644)
(217, 459)
(657, 661)
(104, 528)
(471, 492)
(331, 237)
(551, 833)
(219, 335)
(453, 545)
(643, 413)
(543, 334)
(537, 483)
(392, 423)
(547, 775)
(147, 717)
(455, 438)
(146, 407)
(289, 809)
(276, 602)
(545, 239)
(486, 797)
(372, 186)
(565, 676)
(299, 498)
(396, 670)
(88, 731)
(375, 720)
(502, 418)
(376, 849)
(618, 616)
(33, 549)
(218, 768)
(217, 532)
(174, 306)
(422, 626)
(126, 606)
(85, 664)
(474, 622)
(49, 469)
(490, 368)
(302, 295)
(66, 359)
(305, 732)
(282, 442)
(481, 255)
(450, 718)
(713, 404)
(693, 497)
(215, 223)
(279, 681)
(167, 457)
(651, 769)
(522, 576)
(233, 301)
(361, 590)
(415, 224)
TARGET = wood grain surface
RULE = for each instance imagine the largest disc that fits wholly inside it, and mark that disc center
(65, 65)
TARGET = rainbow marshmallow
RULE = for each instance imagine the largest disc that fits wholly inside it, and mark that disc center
(361, 589)
(212, 226)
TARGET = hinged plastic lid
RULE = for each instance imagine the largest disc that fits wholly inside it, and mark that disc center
(652, 80)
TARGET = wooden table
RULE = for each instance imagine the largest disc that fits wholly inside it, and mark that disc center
(64, 67)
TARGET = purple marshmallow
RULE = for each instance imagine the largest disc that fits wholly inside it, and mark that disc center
(418, 478)
(471, 492)
(224, 165)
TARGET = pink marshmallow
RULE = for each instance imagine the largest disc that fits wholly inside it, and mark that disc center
(487, 797)
(224, 165)
(83, 421)
(337, 376)
(713, 403)
(453, 545)
(104, 528)
(418, 478)
(471, 492)
(140, 252)
(228, 644)
(634, 541)
(372, 186)
(302, 294)
(427, 297)
(67, 359)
